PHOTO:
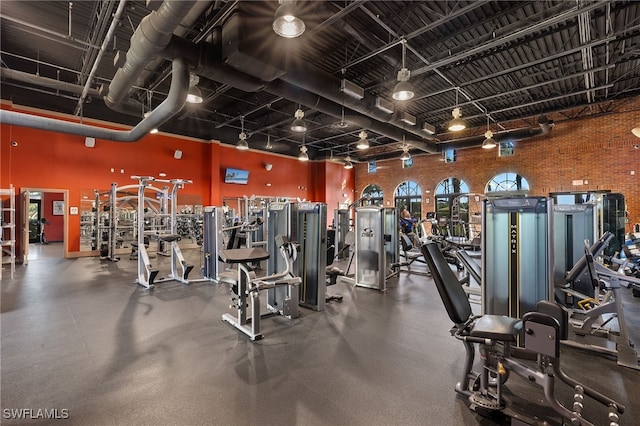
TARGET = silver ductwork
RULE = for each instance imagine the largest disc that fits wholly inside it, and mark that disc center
(63, 86)
(168, 108)
(150, 38)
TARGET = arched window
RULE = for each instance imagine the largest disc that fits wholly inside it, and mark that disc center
(409, 195)
(507, 182)
(452, 186)
(374, 192)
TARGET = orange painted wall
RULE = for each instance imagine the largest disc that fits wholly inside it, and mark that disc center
(45, 160)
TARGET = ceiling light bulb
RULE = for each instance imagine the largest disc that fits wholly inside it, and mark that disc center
(298, 124)
(242, 144)
(403, 91)
(489, 142)
(457, 123)
(405, 154)
(363, 143)
(194, 96)
(303, 154)
(347, 163)
(153, 131)
(286, 23)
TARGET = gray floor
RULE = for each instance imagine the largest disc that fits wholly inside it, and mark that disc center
(78, 335)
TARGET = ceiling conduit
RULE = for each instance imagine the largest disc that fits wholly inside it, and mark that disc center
(168, 108)
(47, 82)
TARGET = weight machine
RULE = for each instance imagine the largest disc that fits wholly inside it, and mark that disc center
(376, 246)
(245, 285)
(590, 321)
(572, 224)
(122, 217)
(214, 221)
(496, 336)
(164, 229)
(517, 255)
(304, 222)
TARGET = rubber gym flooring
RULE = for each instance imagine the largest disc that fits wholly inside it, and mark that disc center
(81, 340)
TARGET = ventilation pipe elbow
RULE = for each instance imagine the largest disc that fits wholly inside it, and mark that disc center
(168, 108)
(173, 104)
(149, 39)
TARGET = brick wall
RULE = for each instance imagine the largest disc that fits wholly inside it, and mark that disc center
(597, 149)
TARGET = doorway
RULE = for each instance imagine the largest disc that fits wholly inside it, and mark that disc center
(44, 223)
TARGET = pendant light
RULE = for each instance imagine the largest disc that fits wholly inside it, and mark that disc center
(286, 21)
(347, 163)
(489, 142)
(194, 96)
(405, 150)
(303, 152)
(298, 124)
(363, 143)
(405, 154)
(403, 91)
(457, 123)
(242, 144)
(268, 145)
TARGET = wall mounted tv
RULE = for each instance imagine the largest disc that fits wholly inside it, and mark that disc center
(238, 176)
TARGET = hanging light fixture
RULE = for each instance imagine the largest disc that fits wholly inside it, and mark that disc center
(363, 143)
(636, 130)
(286, 22)
(298, 124)
(194, 96)
(405, 153)
(242, 144)
(347, 163)
(457, 123)
(303, 154)
(489, 141)
(268, 145)
(403, 91)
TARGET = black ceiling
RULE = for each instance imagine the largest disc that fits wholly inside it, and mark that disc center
(507, 62)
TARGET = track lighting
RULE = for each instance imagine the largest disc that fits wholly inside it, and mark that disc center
(242, 144)
(403, 91)
(303, 154)
(194, 96)
(347, 163)
(489, 142)
(286, 22)
(298, 124)
(363, 143)
(457, 123)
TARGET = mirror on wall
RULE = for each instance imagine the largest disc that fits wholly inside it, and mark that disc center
(110, 226)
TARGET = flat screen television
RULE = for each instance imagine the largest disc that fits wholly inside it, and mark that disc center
(238, 176)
